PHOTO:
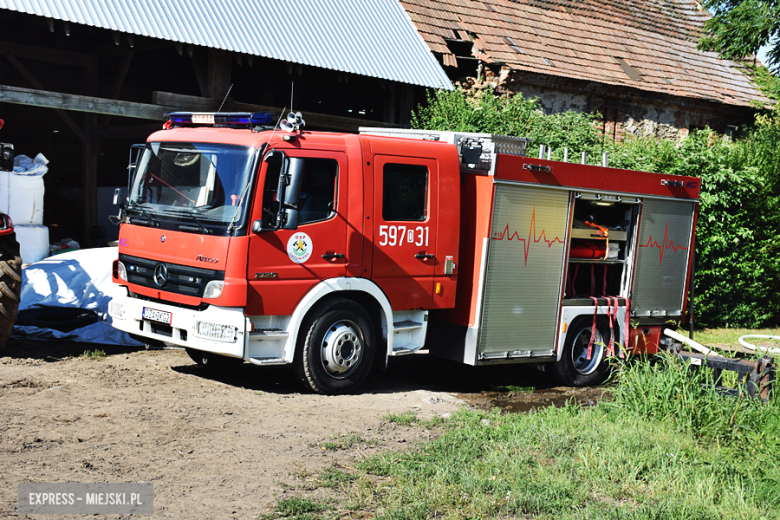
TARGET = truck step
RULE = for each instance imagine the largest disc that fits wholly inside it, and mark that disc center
(266, 361)
(406, 326)
(269, 334)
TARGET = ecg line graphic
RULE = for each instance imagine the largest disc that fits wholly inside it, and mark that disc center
(664, 246)
(532, 238)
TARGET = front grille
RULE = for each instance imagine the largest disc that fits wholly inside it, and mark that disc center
(181, 279)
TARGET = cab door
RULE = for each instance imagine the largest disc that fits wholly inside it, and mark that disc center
(283, 265)
(405, 214)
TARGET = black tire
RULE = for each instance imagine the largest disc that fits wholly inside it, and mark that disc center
(10, 285)
(213, 361)
(574, 369)
(336, 347)
(63, 319)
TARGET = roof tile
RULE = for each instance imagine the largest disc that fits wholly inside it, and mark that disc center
(581, 38)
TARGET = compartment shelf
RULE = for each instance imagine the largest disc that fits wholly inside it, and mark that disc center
(588, 234)
(595, 261)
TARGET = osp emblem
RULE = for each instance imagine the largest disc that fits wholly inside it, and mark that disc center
(299, 247)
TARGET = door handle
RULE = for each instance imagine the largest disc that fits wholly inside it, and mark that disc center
(421, 256)
(332, 256)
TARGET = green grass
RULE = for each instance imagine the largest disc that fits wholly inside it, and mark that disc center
(333, 477)
(347, 441)
(404, 419)
(664, 446)
(730, 337)
(513, 389)
(94, 355)
(296, 508)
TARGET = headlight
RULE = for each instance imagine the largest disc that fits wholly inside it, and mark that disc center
(215, 331)
(213, 289)
(121, 271)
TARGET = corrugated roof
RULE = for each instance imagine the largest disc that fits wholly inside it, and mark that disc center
(648, 45)
(367, 37)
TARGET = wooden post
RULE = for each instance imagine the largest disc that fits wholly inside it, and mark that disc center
(389, 105)
(406, 103)
(89, 163)
(218, 73)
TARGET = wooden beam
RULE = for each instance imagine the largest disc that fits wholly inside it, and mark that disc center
(69, 122)
(93, 105)
(319, 121)
(137, 132)
(49, 55)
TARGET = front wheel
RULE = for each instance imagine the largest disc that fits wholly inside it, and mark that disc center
(336, 352)
(575, 368)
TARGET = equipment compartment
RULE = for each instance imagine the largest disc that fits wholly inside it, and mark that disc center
(601, 245)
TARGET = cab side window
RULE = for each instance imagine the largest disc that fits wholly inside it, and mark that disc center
(318, 199)
(404, 192)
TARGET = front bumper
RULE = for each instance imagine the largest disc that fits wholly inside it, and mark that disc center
(127, 315)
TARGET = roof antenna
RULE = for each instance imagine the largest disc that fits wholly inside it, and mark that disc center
(226, 96)
(292, 89)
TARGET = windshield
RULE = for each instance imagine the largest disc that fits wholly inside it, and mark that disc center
(197, 187)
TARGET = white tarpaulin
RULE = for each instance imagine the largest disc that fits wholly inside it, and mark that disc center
(80, 279)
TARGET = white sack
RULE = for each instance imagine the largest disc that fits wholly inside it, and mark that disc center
(21, 197)
(33, 242)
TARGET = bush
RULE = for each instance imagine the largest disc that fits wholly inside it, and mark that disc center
(738, 236)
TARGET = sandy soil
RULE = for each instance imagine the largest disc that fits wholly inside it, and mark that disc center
(214, 446)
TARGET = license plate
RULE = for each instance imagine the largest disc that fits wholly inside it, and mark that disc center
(158, 316)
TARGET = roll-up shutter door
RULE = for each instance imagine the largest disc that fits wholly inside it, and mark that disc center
(662, 257)
(525, 265)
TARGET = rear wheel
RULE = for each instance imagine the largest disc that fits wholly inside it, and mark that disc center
(336, 353)
(575, 368)
(10, 285)
(213, 361)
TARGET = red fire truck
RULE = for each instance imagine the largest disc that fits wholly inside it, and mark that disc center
(336, 252)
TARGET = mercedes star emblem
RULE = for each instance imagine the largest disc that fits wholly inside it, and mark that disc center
(160, 275)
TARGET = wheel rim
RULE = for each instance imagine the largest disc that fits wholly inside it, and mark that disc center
(342, 349)
(579, 352)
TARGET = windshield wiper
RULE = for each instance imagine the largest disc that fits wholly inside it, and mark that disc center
(185, 227)
(150, 221)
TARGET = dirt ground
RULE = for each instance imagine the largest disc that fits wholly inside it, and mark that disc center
(216, 445)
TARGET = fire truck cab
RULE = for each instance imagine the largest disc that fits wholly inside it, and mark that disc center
(334, 252)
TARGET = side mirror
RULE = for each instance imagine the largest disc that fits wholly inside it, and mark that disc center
(289, 190)
(291, 221)
(257, 227)
(117, 194)
(295, 180)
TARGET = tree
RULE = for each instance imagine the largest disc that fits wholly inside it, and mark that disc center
(739, 28)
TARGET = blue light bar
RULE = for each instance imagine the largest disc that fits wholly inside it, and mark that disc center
(232, 119)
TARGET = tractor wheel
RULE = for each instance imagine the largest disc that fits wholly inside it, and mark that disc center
(10, 285)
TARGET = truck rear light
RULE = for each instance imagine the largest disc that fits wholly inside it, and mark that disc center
(120, 271)
(213, 289)
(215, 331)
